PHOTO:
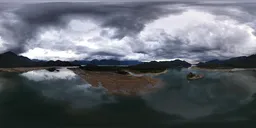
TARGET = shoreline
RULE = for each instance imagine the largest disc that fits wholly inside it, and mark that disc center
(119, 84)
(146, 74)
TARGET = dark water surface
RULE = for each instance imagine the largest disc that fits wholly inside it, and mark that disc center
(41, 99)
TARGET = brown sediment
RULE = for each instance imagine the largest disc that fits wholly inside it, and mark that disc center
(153, 74)
(120, 84)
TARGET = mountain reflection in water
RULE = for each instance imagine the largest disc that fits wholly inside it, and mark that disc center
(62, 99)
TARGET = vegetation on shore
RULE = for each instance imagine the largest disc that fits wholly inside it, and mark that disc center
(147, 67)
(119, 70)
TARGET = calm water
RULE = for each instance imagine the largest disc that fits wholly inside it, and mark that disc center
(62, 99)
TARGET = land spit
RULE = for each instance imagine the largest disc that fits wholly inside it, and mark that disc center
(120, 84)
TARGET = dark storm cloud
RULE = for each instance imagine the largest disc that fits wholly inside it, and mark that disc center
(222, 1)
(128, 21)
(127, 18)
(102, 53)
(33, 16)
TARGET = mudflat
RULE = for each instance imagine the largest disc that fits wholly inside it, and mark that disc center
(118, 83)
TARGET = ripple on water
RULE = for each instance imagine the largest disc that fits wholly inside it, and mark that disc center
(218, 92)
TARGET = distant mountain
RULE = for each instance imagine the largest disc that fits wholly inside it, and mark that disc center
(55, 63)
(80, 62)
(146, 67)
(107, 62)
(237, 62)
(161, 65)
(130, 62)
(11, 60)
(37, 60)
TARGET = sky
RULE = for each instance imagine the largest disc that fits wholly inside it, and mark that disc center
(145, 31)
(19, 1)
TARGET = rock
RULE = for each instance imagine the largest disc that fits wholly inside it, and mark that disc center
(52, 69)
(122, 72)
(192, 76)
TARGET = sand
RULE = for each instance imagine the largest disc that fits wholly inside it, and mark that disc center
(120, 84)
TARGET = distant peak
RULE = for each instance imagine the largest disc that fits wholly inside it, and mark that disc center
(10, 53)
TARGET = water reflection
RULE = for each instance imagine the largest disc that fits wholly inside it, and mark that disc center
(66, 86)
(42, 98)
(2, 81)
(218, 92)
(41, 75)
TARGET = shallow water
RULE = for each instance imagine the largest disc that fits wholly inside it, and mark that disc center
(62, 99)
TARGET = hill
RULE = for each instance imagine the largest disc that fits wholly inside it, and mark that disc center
(237, 62)
(12, 60)
(106, 62)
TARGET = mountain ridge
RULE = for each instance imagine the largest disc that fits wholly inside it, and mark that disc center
(235, 62)
(12, 60)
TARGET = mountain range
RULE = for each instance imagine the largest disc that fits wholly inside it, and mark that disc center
(236, 62)
(106, 62)
(161, 65)
(10, 60)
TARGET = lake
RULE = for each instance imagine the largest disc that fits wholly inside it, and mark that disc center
(45, 99)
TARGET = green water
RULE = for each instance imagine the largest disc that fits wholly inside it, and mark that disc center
(52, 100)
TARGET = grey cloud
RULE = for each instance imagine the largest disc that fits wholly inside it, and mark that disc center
(102, 53)
(128, 19)
(121, 0)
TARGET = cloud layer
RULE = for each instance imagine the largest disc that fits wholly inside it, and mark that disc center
(141, 31)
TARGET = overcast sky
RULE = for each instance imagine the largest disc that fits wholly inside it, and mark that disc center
(20, 1)
(131, 31)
